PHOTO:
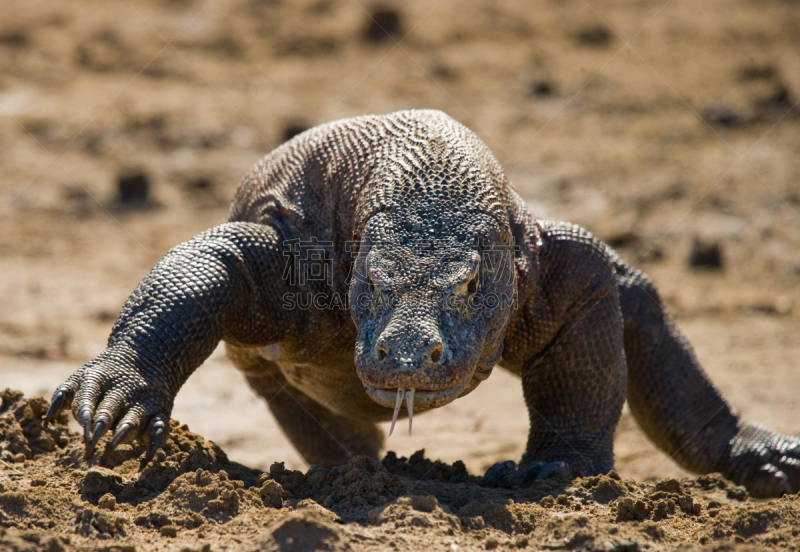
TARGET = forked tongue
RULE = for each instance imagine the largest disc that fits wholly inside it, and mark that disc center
(409, 395)
(397, 404)
(410, 407)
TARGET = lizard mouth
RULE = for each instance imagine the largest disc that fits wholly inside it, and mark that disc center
(414, 398)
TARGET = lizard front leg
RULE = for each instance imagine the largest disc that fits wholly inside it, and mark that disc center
(567, 344)
(575, 389)
(223, 284)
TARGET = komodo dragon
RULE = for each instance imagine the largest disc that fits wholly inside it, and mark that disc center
(429, 270)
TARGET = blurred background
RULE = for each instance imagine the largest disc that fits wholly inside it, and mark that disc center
(668, 128)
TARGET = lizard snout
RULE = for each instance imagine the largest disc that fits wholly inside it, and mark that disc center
(427, 354)
(410, 343)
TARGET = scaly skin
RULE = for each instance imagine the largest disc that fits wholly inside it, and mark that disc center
(444, 273)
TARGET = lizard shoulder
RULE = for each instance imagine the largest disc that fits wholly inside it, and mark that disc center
(574, 268)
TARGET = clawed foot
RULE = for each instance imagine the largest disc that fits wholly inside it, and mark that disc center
(507, 474)
(108, 395)
(766, 462)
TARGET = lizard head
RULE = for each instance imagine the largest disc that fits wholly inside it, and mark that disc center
(431, 296)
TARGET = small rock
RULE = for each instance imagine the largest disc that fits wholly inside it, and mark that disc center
(383, 24)
(133, 188)
(723, 115)
(199, 184)
(443, 71)
(541, 88)
(757, 73)
(705, 255)
(596, 36)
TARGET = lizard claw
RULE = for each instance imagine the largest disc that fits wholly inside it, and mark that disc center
(84, 418)
(157, 434)
(121, 435)
(61, 398)
(100, 429)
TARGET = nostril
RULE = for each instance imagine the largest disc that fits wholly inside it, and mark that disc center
(436, 353)
(381, 352)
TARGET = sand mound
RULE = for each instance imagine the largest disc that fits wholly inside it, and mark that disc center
(191, 497)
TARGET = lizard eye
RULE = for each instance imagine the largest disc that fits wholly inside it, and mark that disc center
(472, 285)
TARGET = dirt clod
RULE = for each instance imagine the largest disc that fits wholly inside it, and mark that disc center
(107, 502)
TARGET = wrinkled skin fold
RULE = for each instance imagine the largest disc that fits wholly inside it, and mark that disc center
(383, 265)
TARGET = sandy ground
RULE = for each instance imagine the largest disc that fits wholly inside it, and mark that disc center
(654, 124)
